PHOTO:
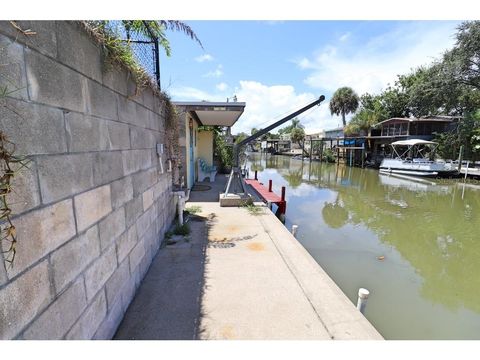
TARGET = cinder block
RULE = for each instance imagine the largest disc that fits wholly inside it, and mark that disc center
(12, 68)
(147, 199)
(109, 326)
(158, 189)
(23, 299)
(115, 79)
(144, 221)
(128, 292)
(101, 101)
(136, 255)
(91, 206)
(72, 258)
(135, 160)
(107, 166)
(51, 83)
(90, 320)
(25, 194)
(111, 227)
(118, 136)
(155, 122)
(3, 271)
(126, 242)
(76, 49)
(142, 138)
(64, 175)
(44, 40)
(133, 91)
(115, 284)
(55, 322)
(147, 98)
(85, 133)
(127, 111)
(143, 180)
(40, 232)
(122, 191)
(144, 264)
(34, 129)
(133, 209)
(99, 272)
(141, 115)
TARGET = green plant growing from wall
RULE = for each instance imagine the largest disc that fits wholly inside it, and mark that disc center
(10, 165)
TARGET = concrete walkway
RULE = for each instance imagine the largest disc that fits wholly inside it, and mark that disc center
(239, 276)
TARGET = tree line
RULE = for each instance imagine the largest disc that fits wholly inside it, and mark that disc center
(448, 86)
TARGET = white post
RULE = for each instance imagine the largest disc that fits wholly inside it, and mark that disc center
(180, 209)
(466, 170)
(362, 299)
(294, 230)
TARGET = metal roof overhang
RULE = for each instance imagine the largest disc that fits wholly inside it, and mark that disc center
(214, 113)
(426, 119)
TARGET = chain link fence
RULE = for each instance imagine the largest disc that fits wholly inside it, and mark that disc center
(144, 48)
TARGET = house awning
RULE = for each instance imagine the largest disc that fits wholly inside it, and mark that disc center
(422, 119)
(213, 113)
(412, 142)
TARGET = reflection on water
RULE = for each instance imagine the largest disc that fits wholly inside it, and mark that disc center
(427, 286)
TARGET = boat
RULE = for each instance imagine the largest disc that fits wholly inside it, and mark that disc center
(415, 157)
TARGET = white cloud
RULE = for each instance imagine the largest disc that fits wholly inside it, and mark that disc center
(186, 93)
(221, 86)
(375, 64)
(345, 37)
(215, 73)
(203, 58)
(265, 105)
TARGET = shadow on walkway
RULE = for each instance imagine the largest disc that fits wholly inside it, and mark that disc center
(167, 304)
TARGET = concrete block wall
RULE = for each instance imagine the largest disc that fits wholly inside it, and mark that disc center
(92, 209)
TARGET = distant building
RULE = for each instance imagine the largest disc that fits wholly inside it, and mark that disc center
(418, 128)
(334, 133)
(315, 136)
(384, 133)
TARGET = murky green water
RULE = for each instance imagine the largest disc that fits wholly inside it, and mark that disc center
(428, 285)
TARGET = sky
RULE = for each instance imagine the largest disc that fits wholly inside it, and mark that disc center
(277, 67)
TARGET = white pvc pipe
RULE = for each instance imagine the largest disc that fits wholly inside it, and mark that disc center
(294, 230)
(362, 299)
(466, 170)
(180, 209)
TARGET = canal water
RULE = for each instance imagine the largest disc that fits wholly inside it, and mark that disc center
(414, 245)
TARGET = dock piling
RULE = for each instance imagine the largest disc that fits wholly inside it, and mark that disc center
(294, 230)
(362, 299)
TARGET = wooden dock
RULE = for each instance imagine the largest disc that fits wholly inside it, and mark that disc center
(267, 194)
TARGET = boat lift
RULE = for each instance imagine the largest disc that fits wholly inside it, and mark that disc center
(236, 191)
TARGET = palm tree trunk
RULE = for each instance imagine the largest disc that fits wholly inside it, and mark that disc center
(343, 119)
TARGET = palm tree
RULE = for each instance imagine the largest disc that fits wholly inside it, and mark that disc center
(296, 124)
(156, 28)
(343, 102)
(362, 121)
